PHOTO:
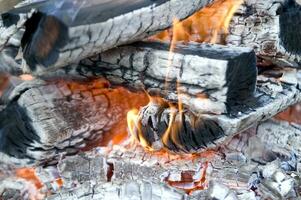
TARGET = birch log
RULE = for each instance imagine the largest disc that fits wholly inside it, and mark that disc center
(270, 27)
(223, 76)
(58, 33)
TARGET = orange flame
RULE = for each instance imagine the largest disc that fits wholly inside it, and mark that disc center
(208, 25)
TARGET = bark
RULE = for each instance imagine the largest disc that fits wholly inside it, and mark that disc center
(223, 76)
(270, 28)
(43, 120)
(81, 29)
(181, 131)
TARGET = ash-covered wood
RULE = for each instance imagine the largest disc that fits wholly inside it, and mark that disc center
(270, 28)
(43, 120)
(223, 76)
(59, 33)
(165, 127)
(230, 173)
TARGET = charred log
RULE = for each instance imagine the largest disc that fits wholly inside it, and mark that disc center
(220, 76)
(59, 33)
(269, 27)
(44, 120)
(160, 126)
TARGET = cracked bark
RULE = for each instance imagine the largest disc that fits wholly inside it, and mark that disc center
(43, 120)
(82, 31)
(269, 28)
(223, 76)
(146, 175)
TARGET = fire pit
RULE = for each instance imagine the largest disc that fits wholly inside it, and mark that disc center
(150, 99)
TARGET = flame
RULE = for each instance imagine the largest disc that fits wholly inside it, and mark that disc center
(208, 25)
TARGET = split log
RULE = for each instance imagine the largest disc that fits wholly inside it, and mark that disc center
(181, 131)
(58, 33)
(220, 76)
(270, 28)
(43, 120)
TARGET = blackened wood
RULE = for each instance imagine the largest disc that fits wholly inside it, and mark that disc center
(60, 33)
(43, 120)
(180, 131)
(269, 27)
(220, 76)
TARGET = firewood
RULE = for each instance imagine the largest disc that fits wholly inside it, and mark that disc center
(182, 131)
(270, 28)
(215, 76)
(146, 174)
(56, 34)
(43, 120)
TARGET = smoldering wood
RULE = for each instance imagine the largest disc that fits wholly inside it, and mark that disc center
(148, 175)
(80, 29)
(194, 133)
(268, 27)
(42, 121)
(224, 76)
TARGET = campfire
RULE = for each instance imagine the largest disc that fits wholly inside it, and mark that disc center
(140, 99)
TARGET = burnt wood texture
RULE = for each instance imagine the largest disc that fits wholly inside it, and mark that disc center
(58, 33)
(270, 28)
(220, 76)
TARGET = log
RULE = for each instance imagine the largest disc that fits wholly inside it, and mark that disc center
(132, 173)
(162, 127)
(43, 120)
(269, 27)
(81, 29)
(223, 76)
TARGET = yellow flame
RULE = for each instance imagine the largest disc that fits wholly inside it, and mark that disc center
(135, 129)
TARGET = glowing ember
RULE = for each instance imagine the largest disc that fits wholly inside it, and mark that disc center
(208, 25)
(292, 114)
(191, 180)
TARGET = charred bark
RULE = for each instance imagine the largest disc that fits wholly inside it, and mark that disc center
(80, 29)
(270, 28)
(44, 120)
(220, 76)
(182, 131)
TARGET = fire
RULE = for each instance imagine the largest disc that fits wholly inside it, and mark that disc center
(208, 25)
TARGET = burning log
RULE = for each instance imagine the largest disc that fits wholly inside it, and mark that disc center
(82, 28)
(269, 27)
(44, 120)
(128, 172)
(207, 78)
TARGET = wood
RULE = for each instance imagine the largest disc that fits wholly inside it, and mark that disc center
(194, 133)
(44, 120)
(90, 27)
(269, 28)
(219, 75)
(132, 173)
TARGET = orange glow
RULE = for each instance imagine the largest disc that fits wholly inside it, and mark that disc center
(29, 174)
(192, 180)
(26, 77)
(292, 114)
(208, 25)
